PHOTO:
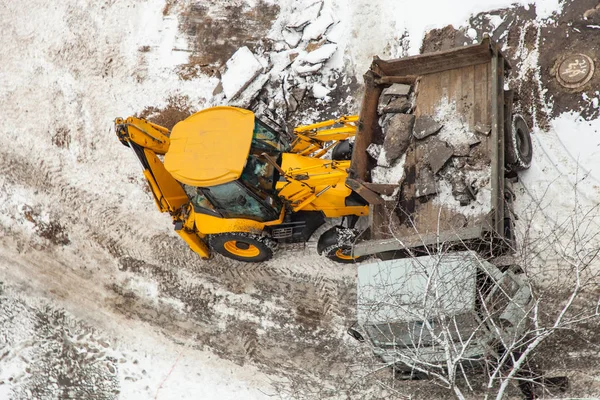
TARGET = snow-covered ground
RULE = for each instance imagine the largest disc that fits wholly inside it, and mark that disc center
(98, 297)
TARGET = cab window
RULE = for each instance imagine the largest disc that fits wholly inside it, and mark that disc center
(265, 139)
(232, 200)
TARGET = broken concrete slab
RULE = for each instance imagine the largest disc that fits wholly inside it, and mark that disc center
(398, 131)
(396, 89)
(483, 128)
(437, 153)
(383, 101)
(397, 105)
(291, 37)
(307, 69)
(242, 68)
(462, 150)
(426, 126)
(245, 98)
(320, 55)
(458, 221)
(304, 13)
(316, 29)
(425, 183)
(374, 150)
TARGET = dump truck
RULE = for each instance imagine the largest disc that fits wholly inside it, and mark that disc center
(446, 287)
(234, 185)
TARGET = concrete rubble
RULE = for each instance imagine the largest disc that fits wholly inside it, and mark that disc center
(242, 68)
(397, 105)
(304, 12)
(302, 49)
(425, 183)
(395, 90)
(437, 153)
(398, 131)
(426, 126)
(315, 30)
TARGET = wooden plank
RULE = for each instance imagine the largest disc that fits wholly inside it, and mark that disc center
(367, 124)
(381, 188)
(386, 80)
(401, 242)
(480, 93)
(497, 135)
(435, 62)
(364, 192)
(468, 93)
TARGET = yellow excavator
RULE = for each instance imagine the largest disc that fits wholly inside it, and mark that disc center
(235, 186)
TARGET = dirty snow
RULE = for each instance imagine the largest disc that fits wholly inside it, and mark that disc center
(455, 130)
(391, 175)
(82, 67)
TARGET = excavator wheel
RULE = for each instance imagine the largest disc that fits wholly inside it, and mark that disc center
(336, 244)
(242, 246)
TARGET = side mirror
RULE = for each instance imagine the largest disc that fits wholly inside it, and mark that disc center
(355, 334)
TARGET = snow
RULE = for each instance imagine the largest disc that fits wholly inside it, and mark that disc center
(319, 91)
(75, 66)
(392, 175)
(242, 68)
(480, 206)
(455, 130)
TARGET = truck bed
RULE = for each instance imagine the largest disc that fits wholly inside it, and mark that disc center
(467, 84)
(469, 88)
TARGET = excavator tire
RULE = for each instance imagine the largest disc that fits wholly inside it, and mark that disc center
(242, 246)
(335, 244)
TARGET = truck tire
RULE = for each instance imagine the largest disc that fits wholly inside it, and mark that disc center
(342, 151)
(519, 151)
(242, 246)
(336, 244)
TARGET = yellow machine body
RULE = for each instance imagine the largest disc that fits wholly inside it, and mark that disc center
(213, 147)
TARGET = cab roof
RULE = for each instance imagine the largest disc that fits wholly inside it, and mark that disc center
(211, 146)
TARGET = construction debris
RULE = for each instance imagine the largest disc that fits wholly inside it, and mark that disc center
(425, 183)
(426, 126)
(437, 153)
(242, 68)
(395, 90)
(398, 105)
(398, 130)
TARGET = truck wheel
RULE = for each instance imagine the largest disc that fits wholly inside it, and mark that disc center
(519, 150)
(243, 246)
(336, 244)
(342, 151)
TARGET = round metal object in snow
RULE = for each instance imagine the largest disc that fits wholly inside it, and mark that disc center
(575, 71)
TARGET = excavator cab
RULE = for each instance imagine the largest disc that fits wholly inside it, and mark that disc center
(234, 185)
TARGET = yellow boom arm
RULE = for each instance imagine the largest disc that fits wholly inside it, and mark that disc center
(320, 137)
(147, 140)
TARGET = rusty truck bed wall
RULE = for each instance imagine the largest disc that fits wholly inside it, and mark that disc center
(471, 77)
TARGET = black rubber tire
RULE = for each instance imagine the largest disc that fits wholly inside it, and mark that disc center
(519, 149)
(329, 245)
(342, 151)
(264, 244)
